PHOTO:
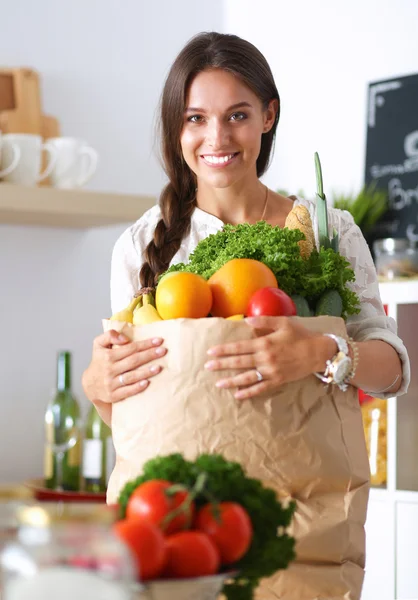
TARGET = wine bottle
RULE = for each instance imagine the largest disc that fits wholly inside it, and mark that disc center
(98, 453)
(62, 432)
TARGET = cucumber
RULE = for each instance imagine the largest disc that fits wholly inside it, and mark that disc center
(330, 303)
(302, 306)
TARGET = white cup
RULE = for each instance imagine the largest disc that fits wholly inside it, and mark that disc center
(28, 169)
(15, 153)
(76, 162)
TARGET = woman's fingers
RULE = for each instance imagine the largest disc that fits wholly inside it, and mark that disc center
(134, 376)
(124, 364)
(126, 391)
(137, 358)
(252, 391)
(122, 352)
(248, 377)
(241, 361)
(110, 338)
(258, 344)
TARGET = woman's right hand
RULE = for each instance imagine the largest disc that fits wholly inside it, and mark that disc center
(120, 368)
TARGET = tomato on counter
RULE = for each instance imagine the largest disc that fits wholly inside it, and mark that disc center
(147, 544)
(190, 554)
(229, 526)
(154, 501)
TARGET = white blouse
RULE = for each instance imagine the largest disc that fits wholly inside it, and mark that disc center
(370, 324)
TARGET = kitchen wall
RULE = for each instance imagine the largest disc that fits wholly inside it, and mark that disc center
(323, 55)
(102, 65)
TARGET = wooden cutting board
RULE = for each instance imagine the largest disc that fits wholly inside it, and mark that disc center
(7, 96)
(50, 127)
(20, 106)
(25, 115)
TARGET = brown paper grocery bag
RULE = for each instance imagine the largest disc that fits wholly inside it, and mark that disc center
(306, 442)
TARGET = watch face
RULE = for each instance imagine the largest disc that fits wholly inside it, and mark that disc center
(342, 369)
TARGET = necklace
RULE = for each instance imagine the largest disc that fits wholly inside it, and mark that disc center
(265, 203)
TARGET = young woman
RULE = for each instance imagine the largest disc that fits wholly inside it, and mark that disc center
(219, 113)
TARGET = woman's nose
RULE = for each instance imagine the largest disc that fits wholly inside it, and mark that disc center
(217, 135)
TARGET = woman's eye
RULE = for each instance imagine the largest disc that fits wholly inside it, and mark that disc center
(238, 116)
(195, 119)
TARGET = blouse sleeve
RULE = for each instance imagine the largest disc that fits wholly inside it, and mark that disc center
(124, 271)
(371, 323)
(128, 258)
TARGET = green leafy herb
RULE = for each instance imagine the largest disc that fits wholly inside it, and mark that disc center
(366, 208)
(278, 249)
(271, 548)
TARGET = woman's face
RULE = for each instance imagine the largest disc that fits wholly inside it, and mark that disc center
(223, 124)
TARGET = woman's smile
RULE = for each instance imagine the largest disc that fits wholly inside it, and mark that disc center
(218, 160)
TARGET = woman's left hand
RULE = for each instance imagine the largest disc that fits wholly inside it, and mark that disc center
(284, 351)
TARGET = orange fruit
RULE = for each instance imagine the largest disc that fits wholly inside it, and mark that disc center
(183, 295)
(233, 285)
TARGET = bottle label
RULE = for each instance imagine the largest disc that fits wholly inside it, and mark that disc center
(110, 457)
(92, 459)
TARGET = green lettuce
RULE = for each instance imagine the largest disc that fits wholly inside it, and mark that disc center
(277, 248)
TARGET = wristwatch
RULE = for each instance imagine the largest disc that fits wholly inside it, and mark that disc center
(339, 368)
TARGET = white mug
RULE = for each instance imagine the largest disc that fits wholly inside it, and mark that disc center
(28, 169)
(14, 162)
(76, 162)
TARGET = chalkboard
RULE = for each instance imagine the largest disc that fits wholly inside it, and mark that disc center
(392, 154)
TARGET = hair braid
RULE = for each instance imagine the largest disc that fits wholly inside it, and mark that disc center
(168, 235)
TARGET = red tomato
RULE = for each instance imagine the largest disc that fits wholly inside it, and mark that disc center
(190, 554)
(147, 544)
(151, 501)
(231, 529)
(271, 302)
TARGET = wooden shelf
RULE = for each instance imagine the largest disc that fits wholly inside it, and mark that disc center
(51, 207)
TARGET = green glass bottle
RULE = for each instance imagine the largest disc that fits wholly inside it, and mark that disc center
(98, 453)
(62, 432)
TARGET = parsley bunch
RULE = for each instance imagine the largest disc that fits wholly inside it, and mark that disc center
(271, 547)
(278, 249)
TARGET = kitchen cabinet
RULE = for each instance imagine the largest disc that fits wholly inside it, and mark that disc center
(76, 208)
(406, 550)
(392, 520)
(379, 583)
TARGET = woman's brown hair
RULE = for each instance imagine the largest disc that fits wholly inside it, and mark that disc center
(177, 201)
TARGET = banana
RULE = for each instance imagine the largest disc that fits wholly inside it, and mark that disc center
(235, 318)
(146, 312)
(126, 315)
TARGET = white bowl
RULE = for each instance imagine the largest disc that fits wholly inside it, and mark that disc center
(199, 588)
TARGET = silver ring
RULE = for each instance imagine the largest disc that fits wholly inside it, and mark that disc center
(259, 375)
(121, 379)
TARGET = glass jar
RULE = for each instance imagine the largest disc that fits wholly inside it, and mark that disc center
(395, 259)
(375, 430)
(8, 526)
(66, 552)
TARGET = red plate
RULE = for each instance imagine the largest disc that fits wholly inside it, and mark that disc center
(42, 493)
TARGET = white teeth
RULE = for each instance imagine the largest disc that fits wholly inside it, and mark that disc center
(218, 160)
